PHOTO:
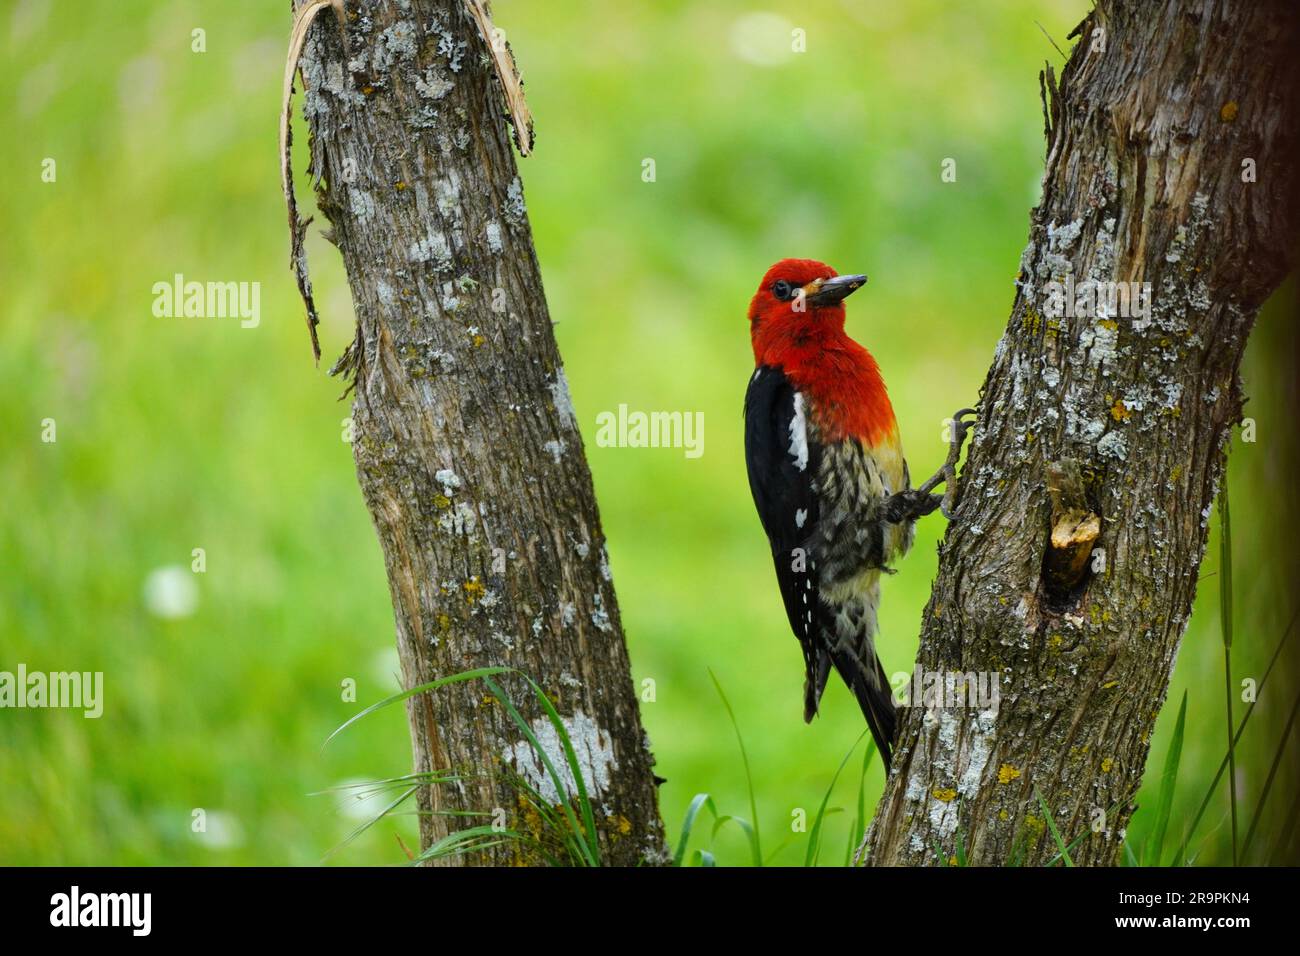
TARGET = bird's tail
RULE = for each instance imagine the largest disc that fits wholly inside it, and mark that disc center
(870, 685)
(846, 641)
(817, 666)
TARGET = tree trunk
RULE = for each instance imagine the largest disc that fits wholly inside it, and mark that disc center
(1071, 565)
(466, 445)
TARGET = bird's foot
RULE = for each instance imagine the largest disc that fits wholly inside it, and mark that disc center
(947, 474)
(909, 504)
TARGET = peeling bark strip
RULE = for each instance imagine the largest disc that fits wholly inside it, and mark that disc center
(511, 84)
(304, 16)
(1159, 109)
(466, 445)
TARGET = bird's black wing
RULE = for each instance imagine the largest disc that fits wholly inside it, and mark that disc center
(783, 459)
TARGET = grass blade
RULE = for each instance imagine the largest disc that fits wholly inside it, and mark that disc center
(1272, 774)
(961, 847)
(471, 839)
(431, 685)
(1017, 857)
(860, 821)
(814, 836)
(1074, 844)
(747, 828)
(581, 841)
(1181, 855)
(364, 790)
(749, 777)
(771, 857)
(561, 790)
(1225, 624)
(1051, 825)
(1281, 855)
(362, 828)
(575, 768)
(700, 801)
(1168, 780)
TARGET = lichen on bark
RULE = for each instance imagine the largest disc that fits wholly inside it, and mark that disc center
(466, 446)
(1158, 108)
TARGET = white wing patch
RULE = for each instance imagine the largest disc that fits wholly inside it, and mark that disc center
(799, 434)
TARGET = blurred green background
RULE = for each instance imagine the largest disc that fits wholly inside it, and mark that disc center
(177, 434)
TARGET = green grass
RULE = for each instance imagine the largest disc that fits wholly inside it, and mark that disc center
(1213, 789)
(813, 842)
(1225, 618)
(577, 837)
(750, 829)
(177, 434)
(1168, 783)
(814, 836)
(1049, 818)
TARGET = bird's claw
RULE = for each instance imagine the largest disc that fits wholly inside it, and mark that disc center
(960, 426)
(947, 473)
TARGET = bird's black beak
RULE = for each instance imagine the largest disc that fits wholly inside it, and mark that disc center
(829, 291)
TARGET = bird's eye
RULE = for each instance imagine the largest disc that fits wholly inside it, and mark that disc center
(782, 289)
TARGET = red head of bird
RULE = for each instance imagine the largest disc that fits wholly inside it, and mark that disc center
(797, 324)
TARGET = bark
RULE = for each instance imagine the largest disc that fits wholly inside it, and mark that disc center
(466, 446)
(1159, 106)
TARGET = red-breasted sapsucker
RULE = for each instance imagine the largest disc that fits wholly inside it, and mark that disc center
(829, 479)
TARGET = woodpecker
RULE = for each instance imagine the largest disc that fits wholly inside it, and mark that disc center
(829, 479)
